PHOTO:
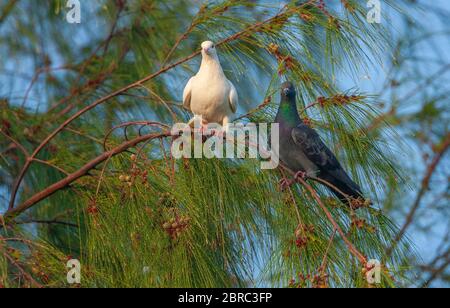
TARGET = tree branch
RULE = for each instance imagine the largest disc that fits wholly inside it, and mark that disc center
(43, 162)
(7, 10)
(22, 271)
(47, 222)
(353, 250)
(21, 147)
(38, 197)
(424, 188)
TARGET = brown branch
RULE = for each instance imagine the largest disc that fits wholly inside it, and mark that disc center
(99, 184)
(424, 188)
(325, 256)
(83, 66)
(181, 38)
(113, 28)
(264, 104)
(149, 97)
(82, 134)
(43, 162)
(380, 120)
(47, 222)
(437, 272)
(90, 84)
(353, 250)
(333, 187)
(426, 83)
(18, 240)
(21, 147)
(128, 124)
(162, 101)
(21, 270)
(294, 203)
(7, 10)
(49, 191)
(27, 155)
(254, 27)
(35, 78)
(309, 107)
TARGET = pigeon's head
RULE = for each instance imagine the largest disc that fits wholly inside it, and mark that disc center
(288, 90)
(209, 49)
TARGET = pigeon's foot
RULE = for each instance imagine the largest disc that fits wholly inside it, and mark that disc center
(285, 183)
(220, 133)
(198, 124)
(203, 130)
(301, 175)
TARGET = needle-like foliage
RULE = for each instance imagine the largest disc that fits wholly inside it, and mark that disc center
(136, 217)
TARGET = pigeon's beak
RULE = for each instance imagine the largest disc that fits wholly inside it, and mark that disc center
(206, 50)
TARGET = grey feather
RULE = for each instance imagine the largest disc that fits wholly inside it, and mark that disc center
(302, 149)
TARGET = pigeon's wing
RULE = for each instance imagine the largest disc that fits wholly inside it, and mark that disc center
(187, 94)
(318, 153)
(233, 98)
(314, 148)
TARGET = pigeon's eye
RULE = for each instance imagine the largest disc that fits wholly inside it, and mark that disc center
(213, 46)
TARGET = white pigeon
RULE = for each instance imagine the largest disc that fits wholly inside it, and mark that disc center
(209, 94)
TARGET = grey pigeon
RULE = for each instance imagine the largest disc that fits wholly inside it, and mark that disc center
(209, 94)
(303, 151)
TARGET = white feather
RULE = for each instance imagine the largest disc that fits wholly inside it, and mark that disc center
(209, 93)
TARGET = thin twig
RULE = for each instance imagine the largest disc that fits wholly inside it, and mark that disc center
(36, 76)
(255, 110)
(353, 250)
(21, 147)
(43, 162)
(325, 256)
(297, 212)
(424, 188)
(105, 44)
(47, 222)
(7, 9)
(159, 98)
(134, 123)
(180, 39)
(21, 270)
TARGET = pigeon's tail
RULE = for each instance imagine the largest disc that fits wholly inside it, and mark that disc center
(353, 196)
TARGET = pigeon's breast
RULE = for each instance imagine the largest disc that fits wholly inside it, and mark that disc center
(209, 98)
